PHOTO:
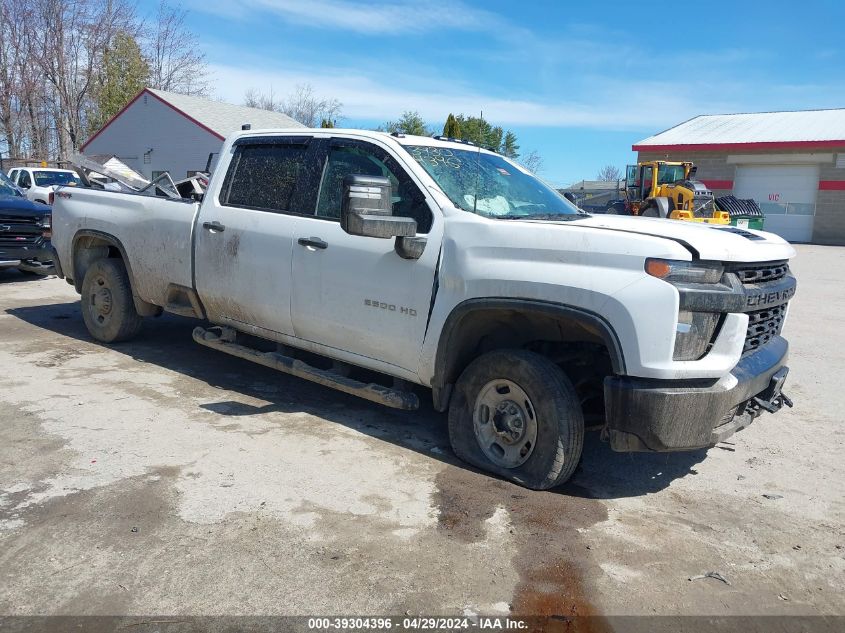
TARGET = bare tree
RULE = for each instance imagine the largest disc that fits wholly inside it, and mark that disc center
(532, 161)
(24, 98)
(10, 52)
(609, 173)
(69, 37)
(307, 108)
(301, 105)
(176, 63)
(255, 99)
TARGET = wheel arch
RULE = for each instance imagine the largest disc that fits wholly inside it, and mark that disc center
(88, 246)
(476, 326)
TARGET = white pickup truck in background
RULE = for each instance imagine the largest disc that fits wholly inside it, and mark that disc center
(38, 183)
(372, 262)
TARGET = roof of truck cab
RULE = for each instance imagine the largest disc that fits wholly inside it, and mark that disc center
(50, 169)
(401, 139)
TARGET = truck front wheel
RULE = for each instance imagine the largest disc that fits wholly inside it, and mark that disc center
(516, 414)
(107, 306)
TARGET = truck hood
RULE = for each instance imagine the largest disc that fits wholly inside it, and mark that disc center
(19, 207)
(721, 243)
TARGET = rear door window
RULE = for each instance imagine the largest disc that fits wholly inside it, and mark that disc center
(265, 176)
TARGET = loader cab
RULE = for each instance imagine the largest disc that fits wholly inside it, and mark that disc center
(668, 173)
(639, 180)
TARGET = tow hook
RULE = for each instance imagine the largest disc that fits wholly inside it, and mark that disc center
(775, 404)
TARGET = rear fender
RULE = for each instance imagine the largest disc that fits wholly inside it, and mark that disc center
(89, 246)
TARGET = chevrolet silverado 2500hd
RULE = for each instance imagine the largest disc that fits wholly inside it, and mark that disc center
(341, 255)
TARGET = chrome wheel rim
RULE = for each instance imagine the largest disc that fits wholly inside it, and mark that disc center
(505, 423)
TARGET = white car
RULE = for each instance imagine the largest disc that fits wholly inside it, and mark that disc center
(444, 265)
(37, 183)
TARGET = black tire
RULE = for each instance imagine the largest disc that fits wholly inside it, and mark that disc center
(107, 306)
(557, 417)
(617, 208)
(650, 211)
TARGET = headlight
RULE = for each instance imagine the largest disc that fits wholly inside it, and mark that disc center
(694, 333)
(681, 272)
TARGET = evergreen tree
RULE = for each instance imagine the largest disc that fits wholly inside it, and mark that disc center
(327, 123)
(480, 132)
(411, 122)
(452, 129)
(123, 74)
(509, 146)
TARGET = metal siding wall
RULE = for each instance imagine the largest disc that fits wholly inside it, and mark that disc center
(178, 144)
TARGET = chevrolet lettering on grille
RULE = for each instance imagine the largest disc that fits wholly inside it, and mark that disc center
(766, 298)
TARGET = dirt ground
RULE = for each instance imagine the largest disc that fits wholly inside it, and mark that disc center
(160, 477)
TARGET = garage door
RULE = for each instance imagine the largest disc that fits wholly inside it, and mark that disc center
(786, 194)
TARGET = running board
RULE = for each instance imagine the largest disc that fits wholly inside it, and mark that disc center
(223, 339)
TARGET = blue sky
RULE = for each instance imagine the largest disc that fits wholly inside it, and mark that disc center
(578, 82)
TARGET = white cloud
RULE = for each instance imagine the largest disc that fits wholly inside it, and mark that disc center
(378, 17)
(608, 106)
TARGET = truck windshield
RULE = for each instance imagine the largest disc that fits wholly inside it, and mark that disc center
(47, 178)
(7, 188)
(490, 185)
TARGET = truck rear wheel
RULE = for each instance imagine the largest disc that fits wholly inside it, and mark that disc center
(107, 306)
(516, 414)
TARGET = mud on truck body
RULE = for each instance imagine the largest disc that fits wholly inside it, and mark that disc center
(342, 255)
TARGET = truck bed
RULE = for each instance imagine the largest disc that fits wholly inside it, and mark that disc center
(155, 234)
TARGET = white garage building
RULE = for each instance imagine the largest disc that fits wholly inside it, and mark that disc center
(160, 131)
(791, 163)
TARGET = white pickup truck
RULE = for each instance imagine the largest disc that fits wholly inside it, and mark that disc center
(39, 183)
(373, 263)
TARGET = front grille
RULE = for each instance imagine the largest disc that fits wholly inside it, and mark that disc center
(763, 326)
(18, 239)
(759, 273)
(19, 220)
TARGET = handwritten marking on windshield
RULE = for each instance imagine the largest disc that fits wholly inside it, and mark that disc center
(436, 156)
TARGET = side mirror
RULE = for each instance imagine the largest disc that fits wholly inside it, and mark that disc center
(366, 209)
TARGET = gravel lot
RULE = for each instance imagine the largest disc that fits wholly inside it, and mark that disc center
(159, 477)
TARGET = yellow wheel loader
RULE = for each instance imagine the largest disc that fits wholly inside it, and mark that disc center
(662, 189)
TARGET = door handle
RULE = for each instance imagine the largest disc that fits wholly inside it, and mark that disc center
(313, 242)
(215, 226)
